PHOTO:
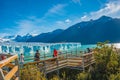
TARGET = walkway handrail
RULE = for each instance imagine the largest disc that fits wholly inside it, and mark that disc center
(8, 60)
(45, 57)
(8, 69)
(56, 63)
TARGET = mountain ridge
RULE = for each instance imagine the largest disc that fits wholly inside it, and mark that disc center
(92, 32)
(86, 32)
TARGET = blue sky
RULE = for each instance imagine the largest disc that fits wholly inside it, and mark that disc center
(38, 16)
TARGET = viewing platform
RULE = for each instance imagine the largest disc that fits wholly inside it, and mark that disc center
(9, 68)
(65, 61)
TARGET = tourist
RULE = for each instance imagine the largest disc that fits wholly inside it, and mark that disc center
(37, 56)
(9, 55)
(3, 57)
(21, 60)
(55, 53)
(88, 50)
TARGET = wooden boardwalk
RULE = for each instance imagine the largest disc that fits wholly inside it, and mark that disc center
(65, 61)
(9, 68)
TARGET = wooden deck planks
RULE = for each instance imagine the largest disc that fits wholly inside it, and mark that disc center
(56, 63)
(11, 73)
(8, 60)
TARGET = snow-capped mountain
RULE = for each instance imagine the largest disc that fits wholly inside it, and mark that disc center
(17, 38)
(4, 40)
(24, 38)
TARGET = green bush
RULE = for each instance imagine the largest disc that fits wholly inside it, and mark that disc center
(107, 64)
(31, 72)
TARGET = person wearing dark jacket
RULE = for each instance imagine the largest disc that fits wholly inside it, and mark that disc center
(37, 56)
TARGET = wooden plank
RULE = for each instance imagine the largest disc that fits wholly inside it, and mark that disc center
(55, 64)
(50, 65)
(87, 54)
(53, 67)
(75, 61)
(8, 60)
(17, 78)
(11, 73)
(75, 58)
(48, 71)
(62, 61)
(10, 65)
(1, 75)
(41, 61)
(74, 64)
(6, 72)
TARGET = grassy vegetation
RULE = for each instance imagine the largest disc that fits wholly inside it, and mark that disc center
(31, 72)
(106, 67)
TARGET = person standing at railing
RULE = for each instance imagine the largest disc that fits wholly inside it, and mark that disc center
(21, 60)
(55, 53)
(37, 56)
(3, 57)
(88, 50)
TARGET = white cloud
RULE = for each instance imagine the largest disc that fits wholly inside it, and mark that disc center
(26, 26)
(4, 34)
(59, 22)
(36, 25)
(63, 24)
(83, 18)
(68, 21)
(30, 25)
(57, 9)
(111, 9)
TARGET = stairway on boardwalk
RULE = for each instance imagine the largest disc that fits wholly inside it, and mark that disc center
(9, 67)
(71, 61)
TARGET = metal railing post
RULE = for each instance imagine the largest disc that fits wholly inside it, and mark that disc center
(83, 64)
(2, 77)
(44, 56)
(18, 72)
(57, 68)
(71, 53)
(66, 55)
(44, 68)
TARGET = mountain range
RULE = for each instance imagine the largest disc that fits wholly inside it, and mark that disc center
(93, 31)
(86, 32)
(45, 37)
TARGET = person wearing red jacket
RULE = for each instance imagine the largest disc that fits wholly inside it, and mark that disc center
(3, 57)
(55, 54)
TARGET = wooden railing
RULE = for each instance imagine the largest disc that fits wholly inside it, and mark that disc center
(9, 68)
(52, 64)
(45, 57)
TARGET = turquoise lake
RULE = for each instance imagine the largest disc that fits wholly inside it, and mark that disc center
(45, 49)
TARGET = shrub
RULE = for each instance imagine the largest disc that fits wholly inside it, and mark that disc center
(31, 72)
